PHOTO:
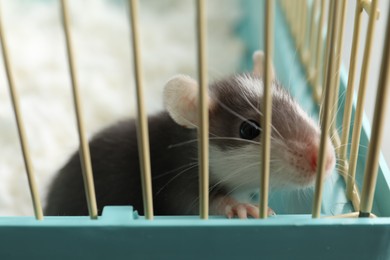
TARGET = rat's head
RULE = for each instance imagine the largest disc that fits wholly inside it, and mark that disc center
(235, 109)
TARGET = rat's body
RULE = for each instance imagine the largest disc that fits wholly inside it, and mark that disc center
(235, 134)
(116, 171)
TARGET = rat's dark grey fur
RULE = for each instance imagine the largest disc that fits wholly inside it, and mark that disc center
(116, 171)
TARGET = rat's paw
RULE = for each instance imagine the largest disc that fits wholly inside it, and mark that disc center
(243, 210)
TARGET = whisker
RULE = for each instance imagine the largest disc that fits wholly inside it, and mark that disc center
(174, 177)
(232, 174)
(338, 109)
(360, 145)
(174, 170)
(215, 138)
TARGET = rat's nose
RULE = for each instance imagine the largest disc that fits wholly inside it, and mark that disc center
(313, 154)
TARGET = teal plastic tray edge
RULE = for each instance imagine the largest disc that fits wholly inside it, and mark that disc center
(120, 234)
(121, 216)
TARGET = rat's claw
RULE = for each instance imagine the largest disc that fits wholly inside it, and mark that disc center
(253, 211)
(242, 210)
(232, 208)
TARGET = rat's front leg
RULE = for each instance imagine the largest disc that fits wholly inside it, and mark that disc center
(225, 205)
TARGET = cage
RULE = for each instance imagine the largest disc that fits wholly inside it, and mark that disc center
(294, 232)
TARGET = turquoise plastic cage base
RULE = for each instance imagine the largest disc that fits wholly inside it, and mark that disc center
(120, 233)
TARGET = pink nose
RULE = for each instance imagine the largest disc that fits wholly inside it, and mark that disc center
(313, 157)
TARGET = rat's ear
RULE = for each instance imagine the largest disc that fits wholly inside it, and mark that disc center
(181, 100)
(259, 65)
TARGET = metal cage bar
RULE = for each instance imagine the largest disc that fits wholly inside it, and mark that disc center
(325, 122)
(203, 131)
(312, 42)
(295, 14)
(142, 120)
(319, 51)
(21, 130)
(331, 17)
(303, 38)
(85, 157)
(267, 108)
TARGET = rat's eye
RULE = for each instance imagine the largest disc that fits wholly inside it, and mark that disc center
(249, 129)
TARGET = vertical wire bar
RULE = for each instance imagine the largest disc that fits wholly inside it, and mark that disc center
(290, 11)
(302, 28)
(336, 82)
(360, 102)
(292, 15)
(203, 111)
(21, 130)
(142, 120)
(318, 72)
(312, 45)
(331, 17)
(371, 171)
(267, 108)
(304, 35)
(326, 113)
(296, 21)
(85, 157)
(348, 102)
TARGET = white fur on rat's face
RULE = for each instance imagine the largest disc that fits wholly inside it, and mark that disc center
(239, 169)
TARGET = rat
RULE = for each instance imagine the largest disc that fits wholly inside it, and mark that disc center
(235, 108)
